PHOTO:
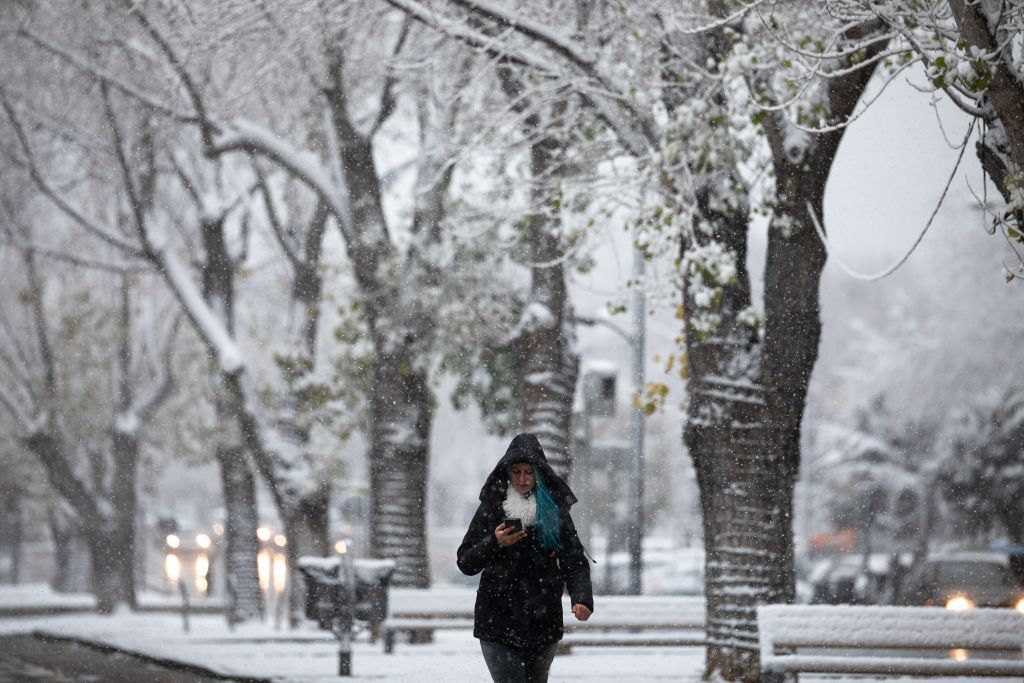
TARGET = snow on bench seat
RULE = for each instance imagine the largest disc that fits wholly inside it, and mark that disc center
(866, 630)
(644, 638)
(419, 613)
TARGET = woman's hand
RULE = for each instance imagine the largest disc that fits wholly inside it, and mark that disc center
(507, 537)
(581, 612)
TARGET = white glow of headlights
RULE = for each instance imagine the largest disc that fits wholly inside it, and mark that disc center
(959, 603)
(1020, 605)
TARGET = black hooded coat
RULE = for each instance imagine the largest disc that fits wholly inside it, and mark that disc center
(519, 601)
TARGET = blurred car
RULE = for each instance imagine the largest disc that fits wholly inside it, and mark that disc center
(964, 580)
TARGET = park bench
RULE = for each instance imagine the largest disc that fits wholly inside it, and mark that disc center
(620, 621)
(638, 621)
(889, 641)
(418, 613)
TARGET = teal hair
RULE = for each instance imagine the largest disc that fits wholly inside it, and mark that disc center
(549, 525)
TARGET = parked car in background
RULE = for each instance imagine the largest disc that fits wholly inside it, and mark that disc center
(963, 580)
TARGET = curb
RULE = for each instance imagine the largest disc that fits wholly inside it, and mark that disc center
(106, 648)
(36, 611)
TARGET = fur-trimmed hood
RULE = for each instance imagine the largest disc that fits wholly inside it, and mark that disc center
(525, 448)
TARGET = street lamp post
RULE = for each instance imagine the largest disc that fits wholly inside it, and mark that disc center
(637, 344)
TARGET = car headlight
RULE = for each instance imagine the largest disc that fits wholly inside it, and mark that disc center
(959, 603)
(1020, 605)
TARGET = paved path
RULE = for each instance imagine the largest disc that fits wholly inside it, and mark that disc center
(26, 659)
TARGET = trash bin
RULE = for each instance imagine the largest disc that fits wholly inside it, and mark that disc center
(373, 578)
(340, 591)
(330, 598)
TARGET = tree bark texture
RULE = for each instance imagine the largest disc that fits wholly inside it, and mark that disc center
(70, 558)
(545, 349)
(547, 355)
(238, 486)
(124, 502)
(1001, 152)
(401, 413)
(245, 596)
(747, 393)
(402, 335)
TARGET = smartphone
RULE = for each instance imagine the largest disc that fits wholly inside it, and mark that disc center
(513, 523)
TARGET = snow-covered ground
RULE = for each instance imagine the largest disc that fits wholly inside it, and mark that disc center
(307, 655)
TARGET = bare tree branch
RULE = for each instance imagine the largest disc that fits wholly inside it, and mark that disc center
(37, 177)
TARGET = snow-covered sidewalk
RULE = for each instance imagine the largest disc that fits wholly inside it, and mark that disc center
(259, 651)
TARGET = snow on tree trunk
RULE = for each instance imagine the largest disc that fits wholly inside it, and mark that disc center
(306, 519)
(747, 397)
(245, 597)
(238, 486)
(547, 357)
(401, 330)
(726, 434)
(401, 414)
(982, 27)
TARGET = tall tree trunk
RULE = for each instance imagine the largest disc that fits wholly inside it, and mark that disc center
(401, 413)
(123, 501)
(727, 439)
(747, 397)
(64, 533)
(306, 517)
(306, 526)
(1001, 151)
(401, 404)
(238, 486)
(245, 597)
(108, 581)
(12, 531)
(548, 357)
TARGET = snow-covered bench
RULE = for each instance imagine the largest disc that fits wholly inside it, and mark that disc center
(619, 620)
(877, 640)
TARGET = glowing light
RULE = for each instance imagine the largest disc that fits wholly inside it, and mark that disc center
(341, 547)
(959, 603)
(1020, 605)
(201, 585)
(202, 565)
(280, 572)
(263, 533)
(173, 541)
(281, 540)
(218, 528)
(263, 568)
(958, 655)
(203, 541)
(172, 567)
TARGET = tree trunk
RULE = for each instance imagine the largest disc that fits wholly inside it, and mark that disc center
(12, 533)
(306, 527)
(1002, 152)
(123, 501)
(108, 566)
(747, 398)
(244, 596)
(401, 411)
(64, 533)
(547, 357)
(728, 441)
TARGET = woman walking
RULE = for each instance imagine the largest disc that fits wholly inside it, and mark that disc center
(523, 540)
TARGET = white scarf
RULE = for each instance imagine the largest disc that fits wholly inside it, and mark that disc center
(520, 507)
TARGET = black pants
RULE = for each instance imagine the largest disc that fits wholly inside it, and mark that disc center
(514, 665)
